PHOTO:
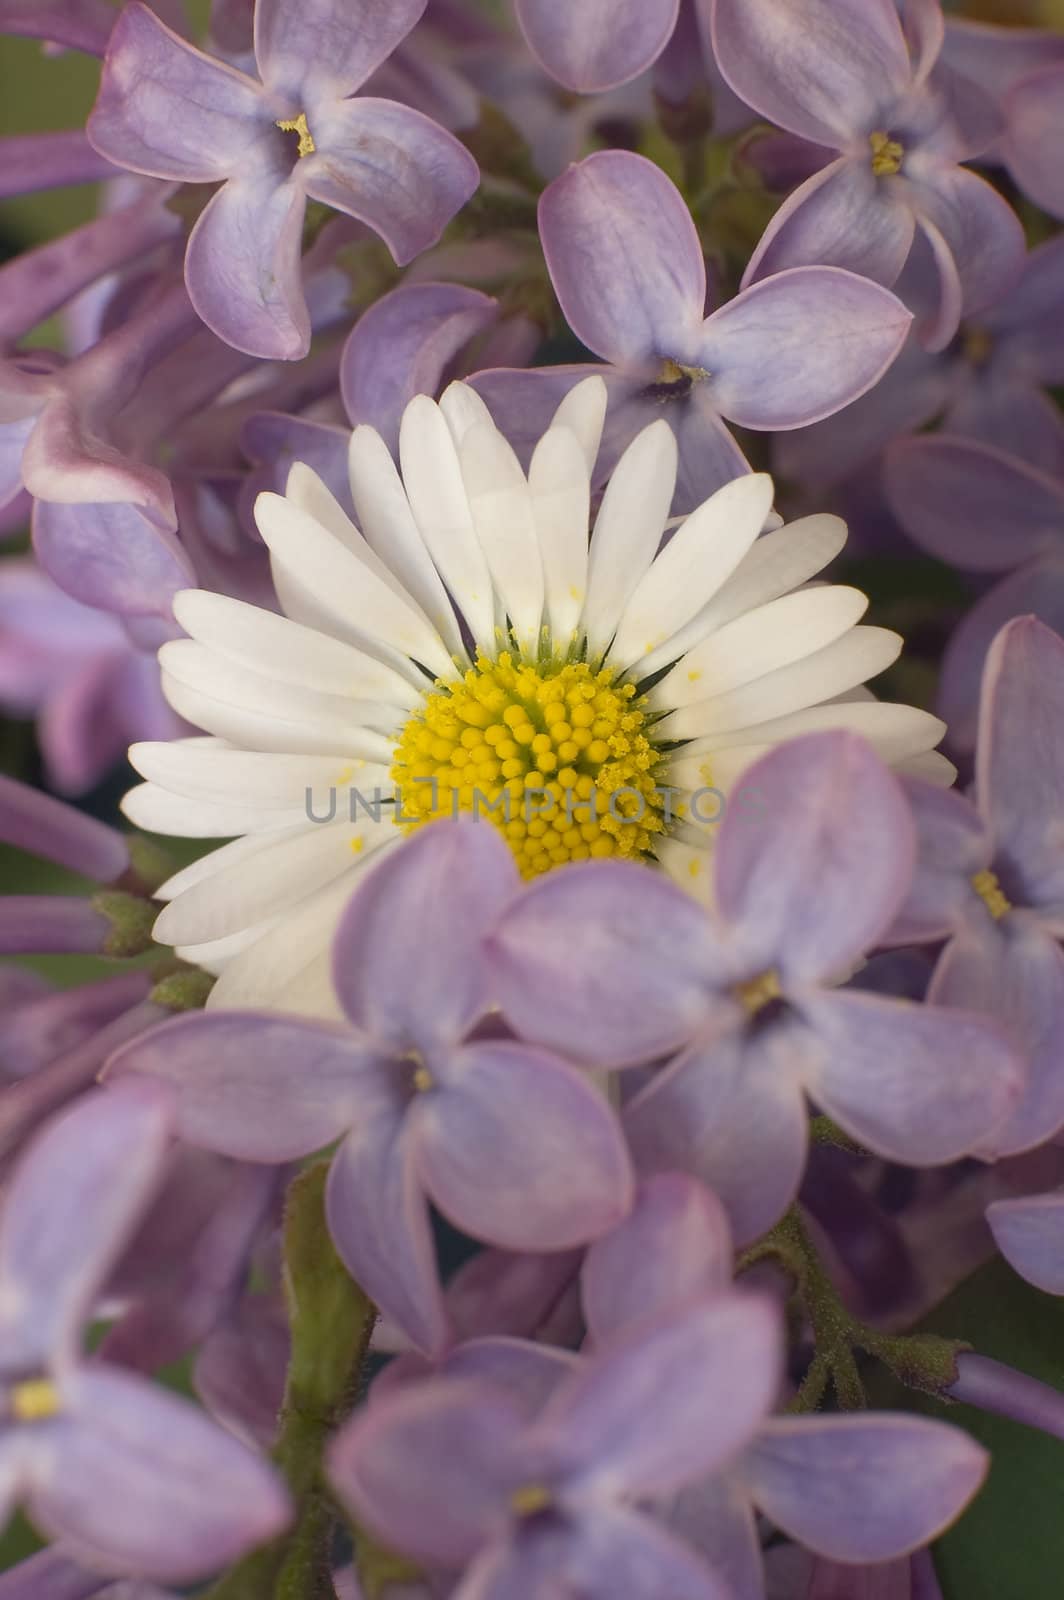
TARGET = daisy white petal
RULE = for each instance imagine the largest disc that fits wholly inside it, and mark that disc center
(561, 500)
(501, 505)
(699, 558)
(432, 478)
(583, 412)
(463, 409)
(784, 631)
(159, 810)
(219, 774)
(628, 529)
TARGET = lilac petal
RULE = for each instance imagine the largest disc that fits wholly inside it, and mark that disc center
(145, 1482)
(715, 1516)
(633, 988)
(600, 44)
(528, 1373)
(709, 456)
(403, 346)
(819, 68)
(624, 257)
(675, 1245)
(58, 1240)
(379, 1222)
(614, 1552)
(925, 32)
(519, 1150)
(243, 267)
(888, 1075)
(1028, 324)
(842, 217)
(142, 116)
(665, 1404)
(1008, 412)
(1029, 1232)
(806, 824)
(496, 1293)
(953, 845)
(385, 1466)
(308, 48)
(971, 504)
(1037, 588)
(73, 24)
(863, 1488)
(392, 168)
(114, 556)
(449, 881)
(276, 442)
(983, 233)
(1033, 111)
(1014, 972)
(800, 346)
(255, 1086)
(47, 827)
(1020, 762)
(733, 1114)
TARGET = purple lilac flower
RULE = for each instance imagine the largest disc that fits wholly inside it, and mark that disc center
(990, 875)
(1033, 110)
(596, 46)
(526, 1504)
(301, 133)
(76, 670)
(988, 385)
(853, 1489)
(512, 1145)
(845, 74)
(627, 266)
(124, 1473)
(812, 862)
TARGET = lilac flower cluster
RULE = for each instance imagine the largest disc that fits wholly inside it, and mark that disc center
(522, 1189)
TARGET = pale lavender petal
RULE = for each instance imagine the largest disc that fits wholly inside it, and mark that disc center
(403, 346)
(971, 504)
(630, 987)
(1014, 971)
(528, 1373)
(806, 825)
(308, 48)
(864, 1488)
(715, 1516)
(145, 1482)
(75, 24)
(800, 346)
(709, 456)
(1028, 324)
(255, 1086)
(624, 257)
(675, 1245)
(47, 827)
(1037, 588)
(450, 881)
(519, 1150)
(385, 1466)
(980, 228)
(1030, 1235)
(1020, 762)
(58, 1240)
(523, 402)
(888, 1075)
(390, 167)
(732, 1113)
(820, 68)
(1033, 113)
(1012, 414)
(599, 44)
(842, 216)
(243, 267)
(379, 1222)
(167, 109)
(495, 1292)
(667, 1403)
(275, 441)
(614, 1552)
(116, 556)
(953, 845)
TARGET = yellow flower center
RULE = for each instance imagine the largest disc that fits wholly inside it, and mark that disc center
(758, 992)
(35, 1400)
(990, 892)
(978, 346)
(887, 155)
(298, 126)
(556, 756)
(530, 1500)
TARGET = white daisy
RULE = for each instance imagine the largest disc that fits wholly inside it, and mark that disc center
(468, 648)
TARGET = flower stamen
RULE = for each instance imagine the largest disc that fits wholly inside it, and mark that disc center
(530, 1500)
(757, 993)
(990, 892)
(298, 126)
(887, 155)
(34, 1400)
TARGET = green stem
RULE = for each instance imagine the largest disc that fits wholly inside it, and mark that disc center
(331, 1322)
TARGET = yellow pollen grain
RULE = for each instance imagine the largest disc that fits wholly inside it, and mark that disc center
(298, 126)
(35, 1400)
(423, 1080)
(554, 746)
(532, 1498)
(990, 892)
(759, 992)
(887, 155)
